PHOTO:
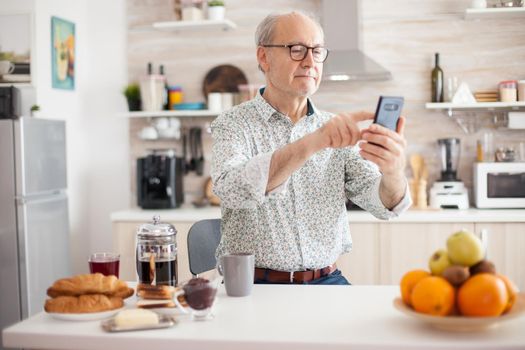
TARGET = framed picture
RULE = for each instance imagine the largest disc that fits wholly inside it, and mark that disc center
(15, 47)
(62, 54)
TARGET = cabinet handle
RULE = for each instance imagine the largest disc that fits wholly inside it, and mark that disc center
(484, 236)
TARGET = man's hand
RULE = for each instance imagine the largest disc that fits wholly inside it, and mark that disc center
(385, 148)
(342, 130)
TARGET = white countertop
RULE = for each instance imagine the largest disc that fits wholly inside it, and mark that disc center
(192, 214)
(276, 317)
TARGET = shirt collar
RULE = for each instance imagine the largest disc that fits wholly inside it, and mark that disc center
(266, 110)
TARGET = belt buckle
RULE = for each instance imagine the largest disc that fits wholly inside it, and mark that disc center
(291, 276)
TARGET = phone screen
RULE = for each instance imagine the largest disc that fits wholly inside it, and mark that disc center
(388, 111)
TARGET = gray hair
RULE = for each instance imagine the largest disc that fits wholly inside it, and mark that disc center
(265, 30)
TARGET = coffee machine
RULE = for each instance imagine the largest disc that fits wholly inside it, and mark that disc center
(160, 180)
(449, 192)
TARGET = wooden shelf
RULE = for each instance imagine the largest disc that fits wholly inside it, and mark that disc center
(176, 114)
(225, 24)
(476, 106)
(495, 12)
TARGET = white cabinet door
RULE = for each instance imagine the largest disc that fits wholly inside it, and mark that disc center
(408, 246)
(361, 265)
(506, 249)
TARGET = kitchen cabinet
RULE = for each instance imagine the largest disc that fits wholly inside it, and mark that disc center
(382, 251)
(408, 246)
(506, 248)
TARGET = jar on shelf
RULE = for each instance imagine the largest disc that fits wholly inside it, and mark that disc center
(175, 95)
(192, 10)
(508, 91)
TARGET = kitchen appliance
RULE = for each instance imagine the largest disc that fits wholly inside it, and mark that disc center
(9, 102)
(342, 24)
(449, 192)
(34, 225)
(499, 185)
(159, 180)
(156, 254)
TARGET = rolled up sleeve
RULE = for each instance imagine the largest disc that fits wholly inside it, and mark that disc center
(362, 182)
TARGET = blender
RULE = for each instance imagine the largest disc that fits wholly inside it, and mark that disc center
(449, 192)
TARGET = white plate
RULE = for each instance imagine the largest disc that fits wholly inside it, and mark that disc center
(89, 316)
(463, 323)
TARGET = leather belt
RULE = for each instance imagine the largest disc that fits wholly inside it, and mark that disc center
(292, 277)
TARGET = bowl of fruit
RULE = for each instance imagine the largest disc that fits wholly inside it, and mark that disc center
(462, 290)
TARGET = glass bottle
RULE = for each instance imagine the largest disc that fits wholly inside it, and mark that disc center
(437, 81)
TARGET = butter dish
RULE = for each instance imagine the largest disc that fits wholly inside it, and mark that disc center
(165, 321)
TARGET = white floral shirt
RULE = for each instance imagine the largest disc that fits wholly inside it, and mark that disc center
(302, 224)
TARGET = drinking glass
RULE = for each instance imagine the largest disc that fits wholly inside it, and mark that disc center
(104, 263)
(200, 295)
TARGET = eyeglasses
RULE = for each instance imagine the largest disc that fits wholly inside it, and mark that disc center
(298, 52)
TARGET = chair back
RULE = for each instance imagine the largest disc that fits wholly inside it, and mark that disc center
(203, 238)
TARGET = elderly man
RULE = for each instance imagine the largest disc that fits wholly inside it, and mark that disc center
(282, 168)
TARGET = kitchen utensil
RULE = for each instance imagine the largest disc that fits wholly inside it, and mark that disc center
(156, 253)
(416, 161)
(197, 157)
(223, 78)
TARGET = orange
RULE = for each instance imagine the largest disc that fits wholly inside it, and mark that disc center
(434, 296)
(408, 281)
(483, 294)
(512, 291)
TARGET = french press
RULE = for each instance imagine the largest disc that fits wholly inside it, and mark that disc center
(156, 253)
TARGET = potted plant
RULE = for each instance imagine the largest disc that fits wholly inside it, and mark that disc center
(34, 110)
(132, 93)
(216, 10)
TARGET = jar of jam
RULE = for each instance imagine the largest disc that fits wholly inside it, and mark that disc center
(156, 254)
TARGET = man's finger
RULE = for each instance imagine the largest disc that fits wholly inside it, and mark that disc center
(401, 125)
(361, 116)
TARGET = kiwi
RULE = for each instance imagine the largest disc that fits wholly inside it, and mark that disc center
(484, 266)
(456, 274)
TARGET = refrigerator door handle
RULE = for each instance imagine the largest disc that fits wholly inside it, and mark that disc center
(41, 198)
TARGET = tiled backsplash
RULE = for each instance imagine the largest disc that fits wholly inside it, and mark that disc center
(403, 38)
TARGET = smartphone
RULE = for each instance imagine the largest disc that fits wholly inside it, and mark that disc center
(388, 111)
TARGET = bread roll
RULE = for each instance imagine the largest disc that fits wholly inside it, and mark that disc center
(90, 284)
(83, 304)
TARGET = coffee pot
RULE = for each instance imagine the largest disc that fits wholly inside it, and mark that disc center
(156, 253)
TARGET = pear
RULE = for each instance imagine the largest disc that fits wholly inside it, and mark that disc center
(438, 262)
(464, 248)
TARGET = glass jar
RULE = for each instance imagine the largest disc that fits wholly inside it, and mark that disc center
(156, 254)
(508, 91)
(192, 10)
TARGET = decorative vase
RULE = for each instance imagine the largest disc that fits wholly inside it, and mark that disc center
(216, 13)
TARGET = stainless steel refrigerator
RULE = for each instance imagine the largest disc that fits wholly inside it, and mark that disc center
(34, 223)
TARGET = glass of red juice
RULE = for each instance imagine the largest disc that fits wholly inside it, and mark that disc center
(104, 263)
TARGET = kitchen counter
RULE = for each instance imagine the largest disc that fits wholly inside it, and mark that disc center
(276, 316)
(192, 214)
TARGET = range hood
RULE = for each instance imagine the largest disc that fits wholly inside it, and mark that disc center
(341, 22)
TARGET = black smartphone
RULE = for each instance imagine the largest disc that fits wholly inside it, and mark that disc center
(388, 111)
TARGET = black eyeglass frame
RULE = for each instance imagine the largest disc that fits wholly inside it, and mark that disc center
(289, 46)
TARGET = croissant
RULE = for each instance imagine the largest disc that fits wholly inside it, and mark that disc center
(83, 304)
(90, 284)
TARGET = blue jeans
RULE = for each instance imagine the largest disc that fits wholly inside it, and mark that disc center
(335, 278)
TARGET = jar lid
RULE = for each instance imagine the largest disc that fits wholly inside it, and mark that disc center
(156, 228)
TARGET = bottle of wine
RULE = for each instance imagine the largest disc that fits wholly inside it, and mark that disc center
(437, 82)
(150, 68)
(165, 95)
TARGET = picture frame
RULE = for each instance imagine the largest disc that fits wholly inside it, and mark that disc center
(16, 47)
(62, 53)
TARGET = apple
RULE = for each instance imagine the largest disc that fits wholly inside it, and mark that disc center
(464, 248)
(438, 262)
